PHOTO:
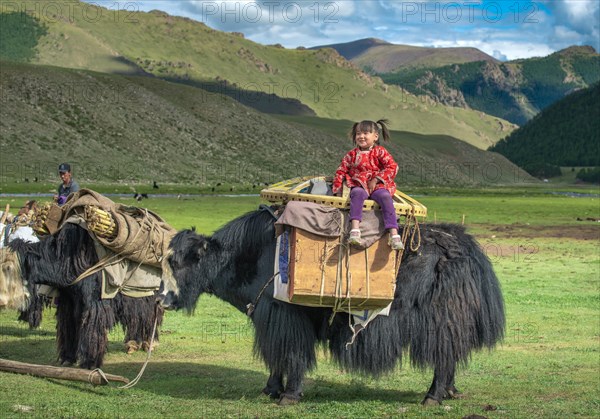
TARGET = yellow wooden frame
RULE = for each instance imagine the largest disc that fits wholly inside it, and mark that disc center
(290, 190)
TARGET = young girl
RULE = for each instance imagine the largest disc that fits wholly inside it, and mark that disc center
(369, 170)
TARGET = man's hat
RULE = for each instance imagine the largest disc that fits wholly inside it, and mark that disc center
(64, 167)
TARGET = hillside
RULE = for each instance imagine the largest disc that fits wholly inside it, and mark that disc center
(515, 90)
(567, 133)
(269, 78)
(379, 57)
(135, 129)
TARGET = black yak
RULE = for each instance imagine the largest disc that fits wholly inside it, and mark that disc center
(83, 318)
(447, 303)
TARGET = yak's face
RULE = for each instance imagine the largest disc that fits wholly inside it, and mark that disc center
(13, 292)
(183, 261)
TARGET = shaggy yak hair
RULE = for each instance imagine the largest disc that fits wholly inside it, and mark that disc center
(33, 313)
(447, 303)
(83, 318)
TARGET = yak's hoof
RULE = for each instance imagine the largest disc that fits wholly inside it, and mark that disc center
(131, 347)
(146, 345)
(272, 394)
(428, 402)
(288, 400)
(453, 393)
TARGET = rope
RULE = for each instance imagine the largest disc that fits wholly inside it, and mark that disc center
(415, 237)
(416, 232)
(251, 306)
(137, 379)
(107, 260)
(139, 376)
(343, 249)
(323, 262)
(348, 281)
(100, 373)
(368, 279)
(117, 257)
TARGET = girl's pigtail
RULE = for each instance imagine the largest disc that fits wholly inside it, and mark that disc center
(383, 123)
(352, 133)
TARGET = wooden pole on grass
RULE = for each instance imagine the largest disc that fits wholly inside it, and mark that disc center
(96, 377)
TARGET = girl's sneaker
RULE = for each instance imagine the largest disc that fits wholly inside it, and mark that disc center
(354, 237)
(395, 242)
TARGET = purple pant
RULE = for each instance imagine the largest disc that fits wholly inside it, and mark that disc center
(382, 197)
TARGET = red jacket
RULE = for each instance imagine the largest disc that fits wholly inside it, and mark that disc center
(359, 167)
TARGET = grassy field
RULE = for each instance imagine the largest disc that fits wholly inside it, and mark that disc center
(319, 81)
(547, 365)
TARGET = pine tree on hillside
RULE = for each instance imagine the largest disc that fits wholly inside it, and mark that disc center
(565, 134)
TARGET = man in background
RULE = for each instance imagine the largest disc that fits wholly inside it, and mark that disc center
(68, 185)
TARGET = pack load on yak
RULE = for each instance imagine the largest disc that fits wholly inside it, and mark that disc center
(131, 242)
(104, 261)
(13, 227)
(316, 266)
(18, 226)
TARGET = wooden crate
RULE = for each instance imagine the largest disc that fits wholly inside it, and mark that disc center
(318, 269)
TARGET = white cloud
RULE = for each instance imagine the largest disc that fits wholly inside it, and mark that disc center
(576, 21)
(511, 50)
(563, 32)
(499, 56)
(511, 29)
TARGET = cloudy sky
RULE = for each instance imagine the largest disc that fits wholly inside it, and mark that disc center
(506, 29)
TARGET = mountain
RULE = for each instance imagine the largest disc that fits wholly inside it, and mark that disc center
(379, 57)
(135, 129)
(567, 133)
(271, 79)
(351, 50)
(515, 90)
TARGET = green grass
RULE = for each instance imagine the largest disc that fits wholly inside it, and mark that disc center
(547, 365)
(143, 129)
(20, 34)
(159, 44)
(528, 210)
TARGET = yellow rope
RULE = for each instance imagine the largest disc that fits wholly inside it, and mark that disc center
(139, 376)
(100, 373)
(323, 259)
(415, 238)
(368, 279)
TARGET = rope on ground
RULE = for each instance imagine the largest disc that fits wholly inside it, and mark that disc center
(139, 376)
